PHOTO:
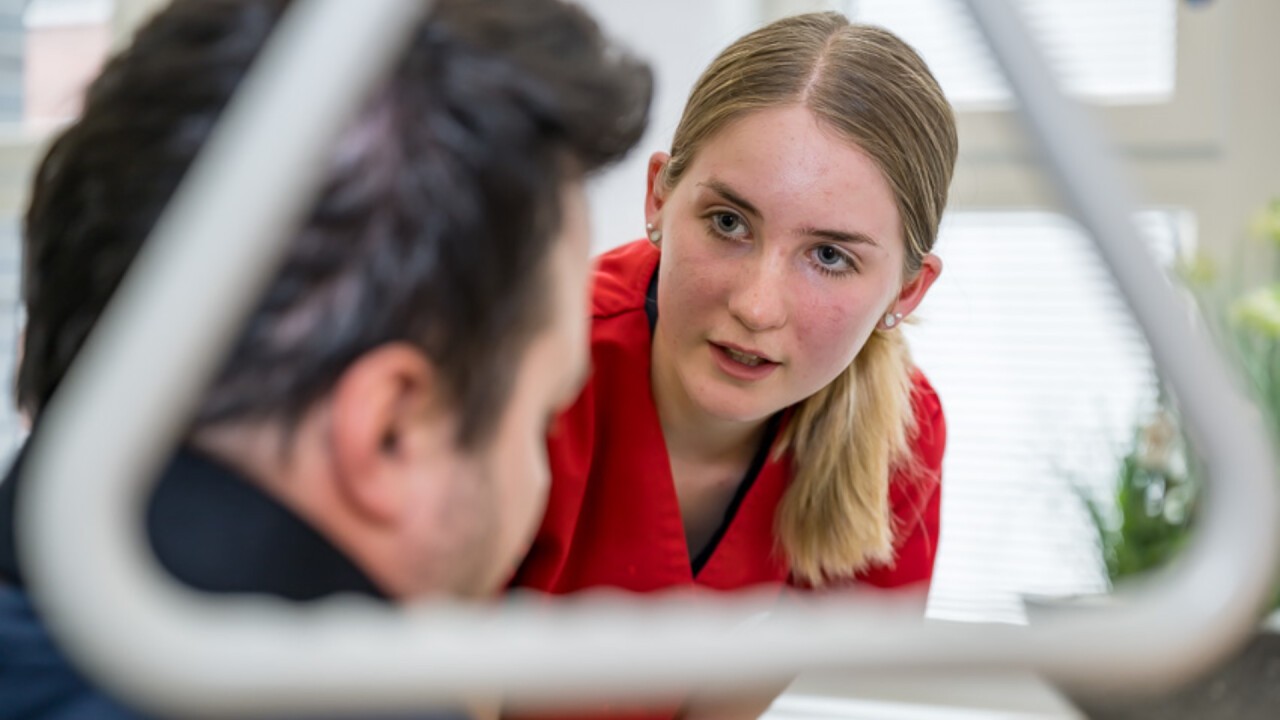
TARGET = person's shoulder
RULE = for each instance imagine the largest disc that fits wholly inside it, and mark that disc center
(621, 279)
(929, 439)
(925, 402)
(36, 681)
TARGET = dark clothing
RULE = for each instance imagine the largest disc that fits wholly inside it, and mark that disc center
(36, 681)
(212, 529)
(216, 531)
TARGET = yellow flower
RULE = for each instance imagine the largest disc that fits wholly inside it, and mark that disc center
(1259, 311)
(1266, 223)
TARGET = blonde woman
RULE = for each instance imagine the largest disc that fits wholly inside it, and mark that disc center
(753, 416)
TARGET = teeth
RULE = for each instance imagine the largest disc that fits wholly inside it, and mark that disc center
(744, 358)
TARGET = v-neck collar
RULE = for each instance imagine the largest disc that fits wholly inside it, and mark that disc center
(703, 556)
(697, 561)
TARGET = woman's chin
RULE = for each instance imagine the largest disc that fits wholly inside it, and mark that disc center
(737, 407)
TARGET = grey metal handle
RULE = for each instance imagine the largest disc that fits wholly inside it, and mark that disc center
(175, 651)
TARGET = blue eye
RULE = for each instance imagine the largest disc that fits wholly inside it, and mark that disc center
(828, 255)
(832, 260)
(728, 224)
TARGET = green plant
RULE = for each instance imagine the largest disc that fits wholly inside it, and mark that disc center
(1152, 510)
(1254, 327)
(1157, 480)
(1248, 321)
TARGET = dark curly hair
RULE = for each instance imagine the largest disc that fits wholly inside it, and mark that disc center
(434, 226)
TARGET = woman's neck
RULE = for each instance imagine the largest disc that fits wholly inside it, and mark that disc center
(690, 432)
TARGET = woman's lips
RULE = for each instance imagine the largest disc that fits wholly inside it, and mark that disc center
(741, 364)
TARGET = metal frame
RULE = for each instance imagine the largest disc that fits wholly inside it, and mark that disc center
(175, 651)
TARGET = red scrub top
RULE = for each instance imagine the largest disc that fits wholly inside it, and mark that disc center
(613, 518)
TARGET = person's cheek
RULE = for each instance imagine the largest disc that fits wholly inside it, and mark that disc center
(531, 501)
(828, 335)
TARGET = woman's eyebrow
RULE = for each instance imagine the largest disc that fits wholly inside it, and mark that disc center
(722, 189)
(853, 238)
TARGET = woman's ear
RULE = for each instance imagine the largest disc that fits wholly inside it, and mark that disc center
(915, 290)
(380, 409)
(655, 189)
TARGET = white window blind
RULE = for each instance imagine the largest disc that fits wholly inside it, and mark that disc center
(1107, 51)
(61, 13)
(12, 428)
(14, 177)
(1042, 374)
(11, 61)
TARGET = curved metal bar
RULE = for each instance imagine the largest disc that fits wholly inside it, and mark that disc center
(175, 651)
(167, 329)
(1216, 594)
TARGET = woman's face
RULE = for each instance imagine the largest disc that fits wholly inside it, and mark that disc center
(782, 249)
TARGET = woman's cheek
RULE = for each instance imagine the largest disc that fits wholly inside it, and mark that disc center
(697, 291)
(830, 335)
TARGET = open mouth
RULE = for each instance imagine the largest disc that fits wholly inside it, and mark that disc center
(742, 364)
(745, 358)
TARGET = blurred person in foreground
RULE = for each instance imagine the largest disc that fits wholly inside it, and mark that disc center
(378, 426)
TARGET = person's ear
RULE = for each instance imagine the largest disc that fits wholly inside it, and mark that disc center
(384, 414)
(914, 291)
(655, 187)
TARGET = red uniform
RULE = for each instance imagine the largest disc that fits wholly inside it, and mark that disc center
(613, 518)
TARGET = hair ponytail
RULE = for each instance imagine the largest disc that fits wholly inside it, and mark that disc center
(845, 440)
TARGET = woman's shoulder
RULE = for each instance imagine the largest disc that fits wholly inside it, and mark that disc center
(929, 439)
(621, 279)
(924, 398)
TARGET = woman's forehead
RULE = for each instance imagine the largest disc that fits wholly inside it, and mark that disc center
(794, 171)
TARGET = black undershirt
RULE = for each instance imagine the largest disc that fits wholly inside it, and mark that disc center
(700, 559)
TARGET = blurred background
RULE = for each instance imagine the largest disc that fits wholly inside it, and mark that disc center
(1065, 470)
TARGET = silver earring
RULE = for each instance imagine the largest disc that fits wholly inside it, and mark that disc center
(655, 235)
(892, 319)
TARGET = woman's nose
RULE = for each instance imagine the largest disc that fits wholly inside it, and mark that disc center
(758, 300)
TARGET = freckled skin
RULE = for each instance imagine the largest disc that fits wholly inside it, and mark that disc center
(761, 284)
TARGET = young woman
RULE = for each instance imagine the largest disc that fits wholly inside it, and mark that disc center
(753, 415)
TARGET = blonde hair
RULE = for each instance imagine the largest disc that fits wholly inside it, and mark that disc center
(846, 439)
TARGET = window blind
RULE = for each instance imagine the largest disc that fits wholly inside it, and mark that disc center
(58, 13)
(12, 429)
(1107, 51)
(1043, 374)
